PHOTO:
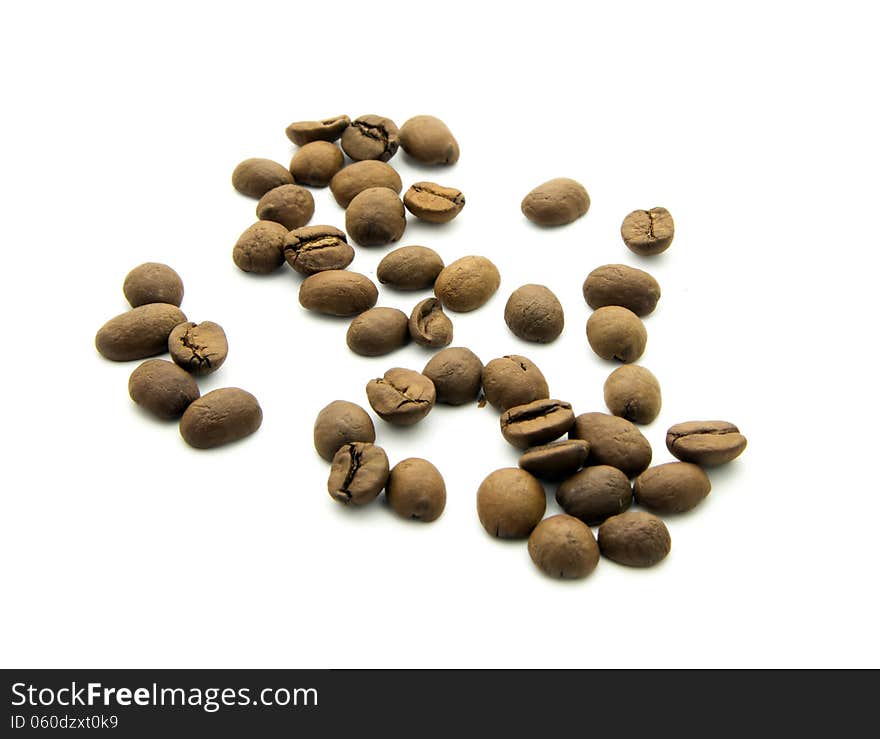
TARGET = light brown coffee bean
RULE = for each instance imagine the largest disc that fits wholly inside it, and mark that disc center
(564, 547)
(375, 217)
(648, 232)
(220, 417)
(338, 292)
(371, 137)
(329, 129)
(513, 380)
(674, 487)
(152, 282)
(613, 441)
(556, 460)
(378, 331)
(534, 313)
(510, 503)
(260, 249)
(556, 202)
(339, 423)
(416, 490)
(457, 374)
(313, 249)
(358, 473)
(633, 393)
(401, 397)
(618, 284)
(429, 325)
(428, 140)
(706, 443)
(316, 163)
(290, 205)
(432, 202)
(635, 538)
(359, 176)
(200, 348)
(535, 423)
(467, 283)
(617, 333)
(410, 268)
(255, 177)
(595, 493)
(139, 333)
(162, 388)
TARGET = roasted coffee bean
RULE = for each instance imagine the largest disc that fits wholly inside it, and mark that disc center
(432, 202)
(556, 460)
(429, 325)
(313, 249)
(220, 417)
(316, 163)
(648, 232)
(556, 202)
(510, 503)
(617, 333)
(260, 249)
(401, 397)
(360, 176)
(617, 284)
(613, 441)
(358, 473)
(634, 538)
(375, 217)
(200, 348)
(378, 331)
(457, 374)
(467, 283)
(290, 205)
(416, 489)
(330, 129)
(428, 140)
(255, 177)
(410, 268)
(162, 388)
(534, 313)
(706, 443)
(513, 380)
(139, 333)
(562, 546)
(340, 423)
(338, 292)
(595, 493)
(152, 282)
(633, 393)
(536, 423)
(674, 487)
(371, 137)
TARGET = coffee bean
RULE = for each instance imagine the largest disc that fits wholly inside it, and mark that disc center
(706, 443)
(457, 374)
(556, 460)
(634, 538)
(358, 473)
(648, 232)
(162, 388)
(562, 546)
(534, 313)
(416, 489)
(313, 249)
(378, 331)
(513, 380)
(617, 284)
(467, 283)
(410, 268)
(260, 249)
(152, 282)
(338, 292)
(220, 417)
(510, 503)
(371, 137)
(255, 177)
(290, 205)
(556, 202)
(432, 202)
(617, 333)
(429, 325)
(536, 423)
(613, 441)
(428, 140)
(401, 397)
(200, 348)
(674, 487)
(375, 217)
(595, 493)
(360, 176)
(340, 423)
(316, 163)
(633, 393)
(330, 129)
(139, 333)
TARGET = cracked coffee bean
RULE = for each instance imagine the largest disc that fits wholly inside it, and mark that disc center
(139, 333)
(401, 397)
(513, 380)
(371, 137)
(618, 284)
(290, 205)
(674, 487)
(416, 490)
(633, 393)
(429, 325)
(255, 177)
(556, 460)
(316, 163)
(200, 348)
(556, 202)
(375, 217)
(536, 423)
(378, 331)
(410, 268)
(260, 249)
(359, 176)
(162, 388)
(358, 473)
(220, 417)
(706, 443)
(457, 374)
(635, 538)
(648, 232)
(428, 140)
(564, 547)
(617, 333)
(313, 249)
(152, 282)
(338, 292)
(595, 494)
(432, 202)
(510, 503)
(330, 129)
(467, 283)
(341, 422)
(534, 313)
(613, 441)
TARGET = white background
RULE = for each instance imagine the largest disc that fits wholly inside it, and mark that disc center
(756, 127)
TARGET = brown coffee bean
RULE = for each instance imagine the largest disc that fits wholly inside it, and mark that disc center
(633, 393)
(457, 374)
(617, 333)
(152, 282)
(428, 140)
(313, 249)
(378, 331)
(340, 423)
(536, 423)
(290, 205)
(375, 217)
(635, 538)
(556, 202)
(371, 137)
(401, 397)
(562, 546)
(467, 283)
(220, 417)
(139, 333)
(338, 292)
(674, 487)
(358, 473)
(416, 489)
(162, 388)
(316, 163)
(260, 249)
(617, 284)
(255, 177)
(410, 268)
(648, 232)
(613, 441)
(556, 460)
(355, 178)
(513, 380)
(429, 325)
(510, 503)
(330, 129)
(706, 443)
(534, 313)
(200, 348)
(595, 493)
(432, 202)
